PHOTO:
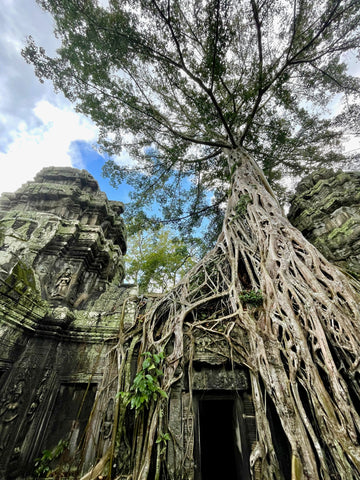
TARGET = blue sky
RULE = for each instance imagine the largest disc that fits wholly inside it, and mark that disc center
(85, 156)
(39, 128)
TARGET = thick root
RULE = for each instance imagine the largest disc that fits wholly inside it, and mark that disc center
(99, 468)
(268, 301)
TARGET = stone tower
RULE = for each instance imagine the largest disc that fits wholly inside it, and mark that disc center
(326, 209)
(61, 255)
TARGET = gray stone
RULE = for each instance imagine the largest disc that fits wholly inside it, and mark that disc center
(61, 254)
(326, 209)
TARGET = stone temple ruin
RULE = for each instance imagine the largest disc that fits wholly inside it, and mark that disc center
(61, 299)
(61, 254)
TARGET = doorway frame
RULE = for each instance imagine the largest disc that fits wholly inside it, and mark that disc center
(238, 412)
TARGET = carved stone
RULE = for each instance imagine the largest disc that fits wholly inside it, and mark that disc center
(326, 209)
(61, 272)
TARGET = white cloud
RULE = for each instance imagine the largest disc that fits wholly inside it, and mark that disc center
(37, 126)
(47, 144)
(19, 89)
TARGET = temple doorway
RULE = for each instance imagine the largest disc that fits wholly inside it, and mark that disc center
(222, 450)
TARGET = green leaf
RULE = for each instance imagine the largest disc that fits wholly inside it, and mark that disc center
(146, 363)
(121, 70)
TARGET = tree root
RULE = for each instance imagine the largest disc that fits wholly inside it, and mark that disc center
(99, 468)
(301, 345)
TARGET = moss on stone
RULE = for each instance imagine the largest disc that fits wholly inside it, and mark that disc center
(326, 210)
(346, 229)
(66, 229)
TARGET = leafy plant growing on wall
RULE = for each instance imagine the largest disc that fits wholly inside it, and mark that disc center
(43, 468)
(146, 385)
(251, 297)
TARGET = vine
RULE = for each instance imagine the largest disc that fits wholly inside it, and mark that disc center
(292, 348)
(146, 383)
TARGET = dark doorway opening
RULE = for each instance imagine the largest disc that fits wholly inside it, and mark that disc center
(70, 415)
(220, 451)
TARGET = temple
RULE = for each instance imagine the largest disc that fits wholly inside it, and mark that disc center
(61, 272)
(62, 299)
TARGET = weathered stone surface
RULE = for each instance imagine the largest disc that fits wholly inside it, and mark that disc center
(66, 234)
(61, 304)
(326, 208)
(210, 378)
(61, 296)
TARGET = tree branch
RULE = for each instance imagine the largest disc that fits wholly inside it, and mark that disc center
(195, 78)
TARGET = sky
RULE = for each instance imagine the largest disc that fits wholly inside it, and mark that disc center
(38, 128)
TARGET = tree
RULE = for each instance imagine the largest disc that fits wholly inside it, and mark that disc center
(156, 260)
(227, 74)
(209, 84)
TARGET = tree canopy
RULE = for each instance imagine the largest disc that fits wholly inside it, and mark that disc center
(156, 259)
(177, 82)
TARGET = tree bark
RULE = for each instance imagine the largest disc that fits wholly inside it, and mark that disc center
(306, 336)
(300, 340)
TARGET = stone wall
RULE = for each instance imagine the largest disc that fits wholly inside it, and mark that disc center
(326, 209)
(61, 295)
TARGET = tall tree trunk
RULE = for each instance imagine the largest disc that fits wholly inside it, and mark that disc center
(275, 305)
(304, 341)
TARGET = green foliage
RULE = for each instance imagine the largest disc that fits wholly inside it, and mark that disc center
(163, 439)
(192, 79)
(43, 468)
(253, 298)
(156, 259)
(146, 385)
